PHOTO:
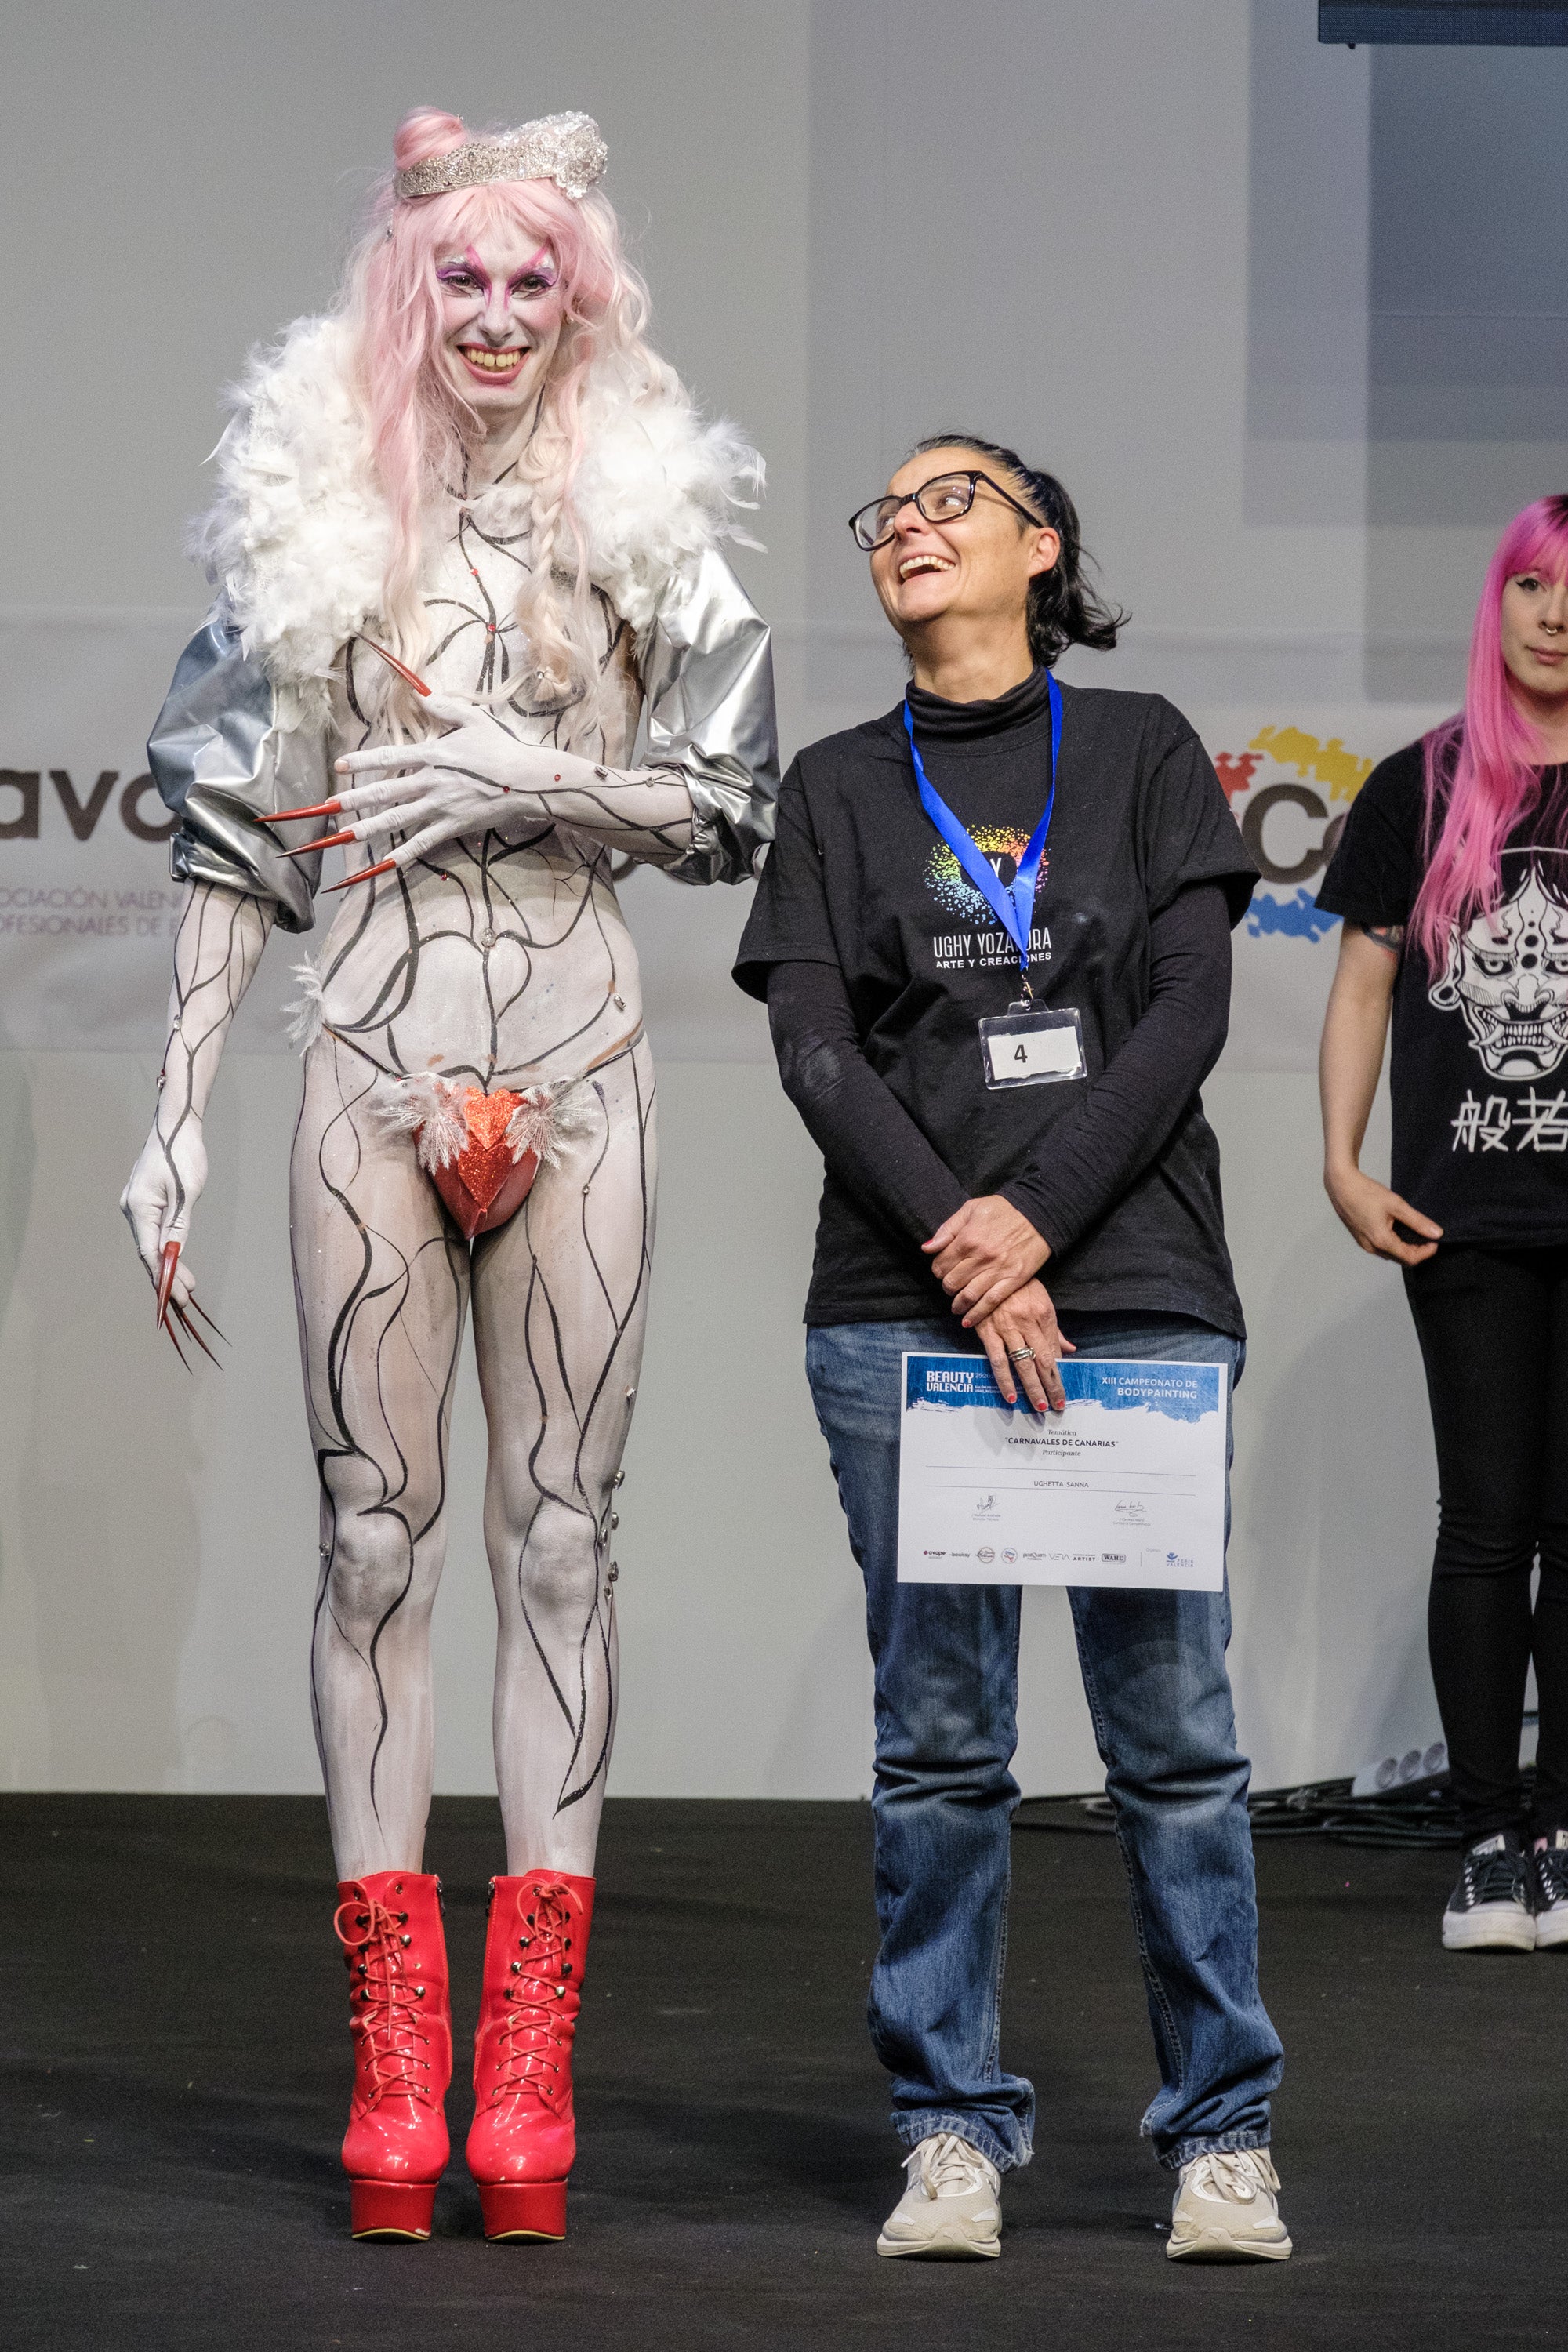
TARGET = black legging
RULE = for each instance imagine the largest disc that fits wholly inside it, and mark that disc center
(1493, 1327)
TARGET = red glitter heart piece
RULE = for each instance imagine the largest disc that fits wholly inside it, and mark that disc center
(485, 1184)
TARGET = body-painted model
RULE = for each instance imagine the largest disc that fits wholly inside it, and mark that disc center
(466, 537)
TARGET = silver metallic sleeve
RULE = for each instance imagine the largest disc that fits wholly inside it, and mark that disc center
(223, 758)
(708, 677)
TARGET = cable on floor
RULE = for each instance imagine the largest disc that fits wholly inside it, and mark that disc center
(1421, 1814)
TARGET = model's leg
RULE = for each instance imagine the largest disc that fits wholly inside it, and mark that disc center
(381, 1282)
(946, 1660)
(559, 1302)
(1154, 1674)
(560, 1305)
(1483, 1318)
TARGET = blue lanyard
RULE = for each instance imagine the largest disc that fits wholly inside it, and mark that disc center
(1013, 909)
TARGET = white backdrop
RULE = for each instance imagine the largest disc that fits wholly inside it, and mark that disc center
(1164, 248)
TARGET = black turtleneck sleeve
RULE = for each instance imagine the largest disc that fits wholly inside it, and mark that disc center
(857, 1122)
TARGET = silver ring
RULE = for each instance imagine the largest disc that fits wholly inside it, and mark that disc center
(1020, 1355)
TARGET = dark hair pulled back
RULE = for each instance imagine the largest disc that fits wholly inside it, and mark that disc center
(1063, 609)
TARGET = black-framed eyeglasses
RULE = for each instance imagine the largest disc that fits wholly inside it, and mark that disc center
(941, 500)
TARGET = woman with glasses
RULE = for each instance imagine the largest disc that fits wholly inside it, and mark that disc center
(1062, 858)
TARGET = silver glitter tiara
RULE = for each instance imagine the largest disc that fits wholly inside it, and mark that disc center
(565, 148)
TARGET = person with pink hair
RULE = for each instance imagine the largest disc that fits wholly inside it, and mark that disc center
(465, 541)
(1452, 880)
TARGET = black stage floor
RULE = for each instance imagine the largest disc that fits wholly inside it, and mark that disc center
(176, 2061)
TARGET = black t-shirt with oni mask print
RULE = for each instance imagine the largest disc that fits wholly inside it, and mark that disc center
(859, 877)
(1478, 1070)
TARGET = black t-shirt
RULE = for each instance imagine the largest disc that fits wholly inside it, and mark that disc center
(859, 878)
(1478, 1070)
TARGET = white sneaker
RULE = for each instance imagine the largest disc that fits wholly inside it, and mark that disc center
(1228, 2210)
(952, 2208)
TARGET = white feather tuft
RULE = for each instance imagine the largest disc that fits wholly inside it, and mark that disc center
(657, 487)
(299, 535)
(549, 1117)
(307, 1016)
(432, 1105)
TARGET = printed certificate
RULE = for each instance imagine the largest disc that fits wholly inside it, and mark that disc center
(1126, 1487)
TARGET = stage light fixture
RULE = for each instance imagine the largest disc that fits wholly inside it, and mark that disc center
(1402, 1771)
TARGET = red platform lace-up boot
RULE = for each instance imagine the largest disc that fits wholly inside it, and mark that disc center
(524, 2135)
(395, 2150)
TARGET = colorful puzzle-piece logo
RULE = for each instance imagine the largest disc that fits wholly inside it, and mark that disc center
(1344, 773)
(1324, 772)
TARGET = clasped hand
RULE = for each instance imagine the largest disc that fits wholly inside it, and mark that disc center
(982, 1253)
(449, 785)
(986, 1257)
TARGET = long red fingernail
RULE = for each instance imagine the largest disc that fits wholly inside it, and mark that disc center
(195, 1303)
(403, 672)
(365, 874)
(296, 816)
(170, 1259)
(327, 841)
(189, 1329)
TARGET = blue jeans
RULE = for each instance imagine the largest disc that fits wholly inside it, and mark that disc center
(946, 1660)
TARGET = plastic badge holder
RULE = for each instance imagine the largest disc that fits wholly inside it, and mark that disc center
(1032, 1045)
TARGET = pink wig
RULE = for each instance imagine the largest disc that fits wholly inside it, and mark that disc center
(1483, 768)
(392, 298)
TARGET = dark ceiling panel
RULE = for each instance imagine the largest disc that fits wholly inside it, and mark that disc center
(1468, 23)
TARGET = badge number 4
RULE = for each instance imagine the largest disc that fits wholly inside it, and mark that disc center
(1038, 1047)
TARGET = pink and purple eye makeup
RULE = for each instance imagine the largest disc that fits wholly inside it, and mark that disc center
(538, 275)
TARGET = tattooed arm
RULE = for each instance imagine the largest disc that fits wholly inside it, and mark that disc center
(217, 947)
(1350, 1062)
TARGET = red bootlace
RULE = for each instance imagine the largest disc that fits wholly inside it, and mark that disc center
(533, 2045)
(386, 2012)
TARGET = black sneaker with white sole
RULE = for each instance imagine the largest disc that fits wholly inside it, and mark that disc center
(1492, 1908)
(1550, 1864)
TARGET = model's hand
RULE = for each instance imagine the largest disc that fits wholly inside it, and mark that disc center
(1370, 1211)
(165, 1185)
(448, 786)
(985, 1253)
(1026, 1319)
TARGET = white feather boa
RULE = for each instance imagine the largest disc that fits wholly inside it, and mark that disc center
(299, 534)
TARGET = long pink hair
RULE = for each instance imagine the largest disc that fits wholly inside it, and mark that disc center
(1483, 767)
(392, 300)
